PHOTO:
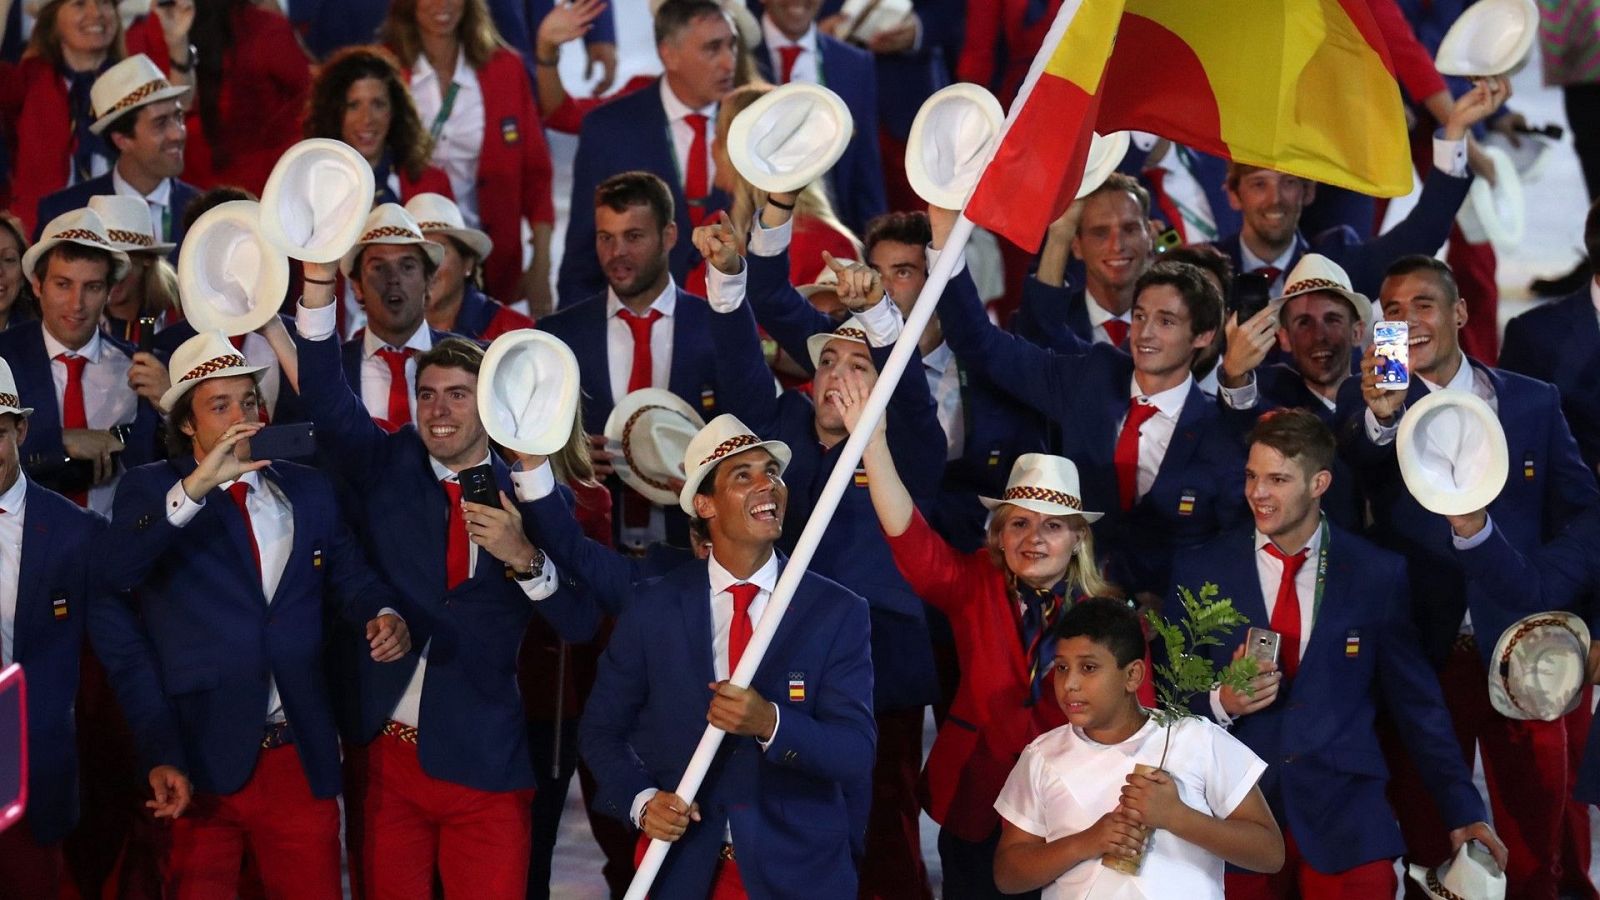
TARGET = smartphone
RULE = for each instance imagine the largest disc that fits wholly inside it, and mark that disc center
(1261, 645)
(147, 333)
(1168, 240)
(1251, 293)
(294, 441)
(1390, 343)
(477, 486)
(13, 746)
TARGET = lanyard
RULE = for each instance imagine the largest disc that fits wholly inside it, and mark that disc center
(447, 104)
(1322, 570)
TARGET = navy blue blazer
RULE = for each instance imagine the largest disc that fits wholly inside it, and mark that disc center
(855, 183)
(1199, 489)
(1548, 484)
(853, 550)
(608, 574)
(786, 804)
(56, 592)
(627, 133)
(1048, 310)
(287, 409)
(1326, 774)
(77, 196)
(472, 726)
(1560, 343)
(1423, 230)
(192, 657)
(23, 348)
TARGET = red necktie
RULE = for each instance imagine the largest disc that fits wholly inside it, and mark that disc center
(741, 628)
(1270, 273)
(1157, 178)
(399, 401)
(786, 57)
(1286, 610)
(1126, 457)
(642, 374)
(72, 408)
(455, 540)
(1116, 330)
(238, 491)
(696, 175)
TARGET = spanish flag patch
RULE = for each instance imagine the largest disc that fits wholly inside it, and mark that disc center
(58, 606)
(1186, 503)
(1352, 644)
(861, 476)
(797, 687)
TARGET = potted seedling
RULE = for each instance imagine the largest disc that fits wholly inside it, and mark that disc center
(1186, 672)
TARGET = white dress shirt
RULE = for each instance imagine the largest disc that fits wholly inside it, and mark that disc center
(619, 341)
(272, 523)
(14, 502)
(1282, 263)
(683, 134)
(107, 399)
(944, 382)
(1099, 316)
(460, 142)
(1269, 569)
(1155, 435)
(764, 578)
(159, 201)
(807, 66)
(375, 372)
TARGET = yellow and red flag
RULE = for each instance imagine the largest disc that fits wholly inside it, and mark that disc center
(1301, 86)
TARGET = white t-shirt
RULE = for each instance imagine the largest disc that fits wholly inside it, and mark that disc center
(1064, 782)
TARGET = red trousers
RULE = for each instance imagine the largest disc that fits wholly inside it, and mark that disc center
(416, 825)
(1575, 832)
(293, 835)
(1525, 767)
(28, 869)
(1298, 881)
(893, 867)
(725, 881)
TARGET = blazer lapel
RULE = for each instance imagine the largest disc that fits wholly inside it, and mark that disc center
(36, 364)
(596, 380)
(1328, 626)
(1185, 437)
(31, 599)
(695, 598)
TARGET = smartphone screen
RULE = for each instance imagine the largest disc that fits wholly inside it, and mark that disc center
(1390, 344)
(1252, 292)
(477, 486)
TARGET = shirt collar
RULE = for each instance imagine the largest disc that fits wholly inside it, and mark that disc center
(420, 340)
(677, 109)
(160, 196)
(665, 302)
(1127, 746)
(15, 499)
(1594, 293)
(1461, 381)
(54, 348)
(1252, 262)
(776, 38)
(1312, 546)
(463, 75)
(442, 472)
(939, 358)
(1099, 315)
(765, 578)
(252, 478)
(1170, 401)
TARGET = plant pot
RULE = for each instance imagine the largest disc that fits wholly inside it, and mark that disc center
(1129, 865)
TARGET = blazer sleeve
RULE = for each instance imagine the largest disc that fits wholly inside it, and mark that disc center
(1520, 351)
(1559, 576)
(1034, 376)
(1423, 230)
(354, 442)
(140, 533)
(938, 574)
(744, 383)
(608, 574)
(1042, 317)
(1571, 488)
(621, 688)
(356, 589)
(837, 742)
(780, 309)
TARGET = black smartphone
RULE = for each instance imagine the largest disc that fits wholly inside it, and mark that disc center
(297, 440)
(477, 486)
(1252, 291)
(147, 333)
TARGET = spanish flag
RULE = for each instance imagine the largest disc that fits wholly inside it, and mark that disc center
(1301, 86)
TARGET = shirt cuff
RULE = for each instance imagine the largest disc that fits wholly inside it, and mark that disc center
(777, 722)
(882, 321)
(316, 324)
(724, 292)
(1476, 540)
(1450, 157)
(535, 485)
(1239, 397)
(180, 509)
(1381, 435)
(933, 259)
(770, 241)
(543, 586)
(639, 800)
(1217, 712)
(390, 611)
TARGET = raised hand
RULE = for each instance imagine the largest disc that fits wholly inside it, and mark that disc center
(568, 22)
(849, 396)
(1486, 96)
(860, 287)
(148, 377)
(1264, 687)
(721, 244)
(223, 463)
(1248, 345)
(499, 531)
(1384, 403)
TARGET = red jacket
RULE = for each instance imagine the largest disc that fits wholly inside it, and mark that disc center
(38, 126)
(433, 180)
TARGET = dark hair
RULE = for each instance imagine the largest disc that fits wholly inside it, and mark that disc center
(1200, 296)
(1299, 435)
(901, 227)
(1107, 621)
(1207, 257)
(479, 38)
(213, 38)
(626, 189)
(1120, 183)
(428, 265)
(208, 200)
(1237, 172)
(1415, 263)
(26, 306)
(71, 251)
(45, 40)
(406, 141)
(676, 15)
(452, 353)
(123, 125)
(180, 445)
(1591, 232)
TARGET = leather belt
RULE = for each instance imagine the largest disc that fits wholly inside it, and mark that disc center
(400, 730)
(275, 735)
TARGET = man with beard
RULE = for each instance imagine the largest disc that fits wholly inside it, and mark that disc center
(643, 331)
(145, 127)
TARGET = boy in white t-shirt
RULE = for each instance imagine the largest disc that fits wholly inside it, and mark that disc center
(1073, 795)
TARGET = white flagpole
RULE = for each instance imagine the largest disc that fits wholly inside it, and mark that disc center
(841, 477)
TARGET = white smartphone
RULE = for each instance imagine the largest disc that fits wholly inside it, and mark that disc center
(1391, 342)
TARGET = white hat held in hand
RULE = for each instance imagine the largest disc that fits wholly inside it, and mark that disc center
(1044, 484)
(1105, 154)
(950, 142)
(230, 279)
(316, 200)
(1539, 667)
(648, 432)
(722, 437)
(789, 137)
(205, 356)
(1452, 453)
(1491, 37)
(1471, 874)
(128, 85)
(528, 392)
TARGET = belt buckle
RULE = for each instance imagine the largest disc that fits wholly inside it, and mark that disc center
(275, 735)
(726, 854)
(401, 731)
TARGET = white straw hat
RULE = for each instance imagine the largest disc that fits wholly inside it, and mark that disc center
(1491, 37)
(950, 142)
(10, 402)
(1045, 484)
(81, 226)
(722, 437)
(316, 200)
(1105, 154)
(1471, 874)
(389, 223)
(438, 214)
(851, 329)
(128, 85)
(1496, 212)
(229, 278)
(1539, 667)
(1452, 453)
(1316, 273)
(205, 356)
(648, 432)
(128, 223)
(528, 391)
(789, 137)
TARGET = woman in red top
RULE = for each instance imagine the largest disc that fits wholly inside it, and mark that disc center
(359, 97)
(477, 103)
(1001, 601)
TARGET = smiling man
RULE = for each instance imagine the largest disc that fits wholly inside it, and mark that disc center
(772, 818)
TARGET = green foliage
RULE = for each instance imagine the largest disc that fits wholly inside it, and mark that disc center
(1187, 671)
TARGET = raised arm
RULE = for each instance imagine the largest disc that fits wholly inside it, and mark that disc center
(344, 428)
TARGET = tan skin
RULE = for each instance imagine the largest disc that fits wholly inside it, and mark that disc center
(392, 285)
(1434, 319)
(569, 22)
(367, 116)
(10, 274)
(1101, 698)
(87, 29)
(154, 152)
(72, 296)
(449, 283)
(1317, 329)
(1114, 241)
(699, 60)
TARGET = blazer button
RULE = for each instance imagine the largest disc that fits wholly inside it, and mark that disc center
(1288, 759)
(144, 522)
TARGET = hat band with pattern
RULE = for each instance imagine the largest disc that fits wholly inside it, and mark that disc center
(138, 95)
(79, 234)
(130, 237)
(437, 226)
(728, 446)
(10, 400)
(1029, 492)
(627, 447)
(212, 366)
(1315, 284)
(388, 231)
(1511, 645)
(1438, 888)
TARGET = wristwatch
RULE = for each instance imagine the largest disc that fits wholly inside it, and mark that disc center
(535, 568)
(187, 67)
